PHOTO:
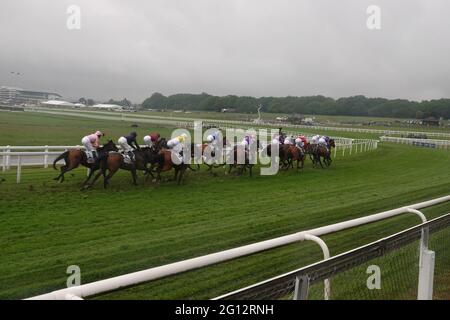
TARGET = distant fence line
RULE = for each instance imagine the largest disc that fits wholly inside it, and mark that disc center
(189, 122)
(426, 143)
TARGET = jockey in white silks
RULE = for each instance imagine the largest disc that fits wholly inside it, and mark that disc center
(91, 143)
(213, 139)
(276, 139)
(315, 139)
(323, 141)
(288, 141)
(128, 144)
(176, 145)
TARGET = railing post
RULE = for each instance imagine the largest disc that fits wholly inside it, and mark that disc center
(301, 288)
(46, 157)
(426, 275)
(8, 150)
(19, 168)
(3, 161)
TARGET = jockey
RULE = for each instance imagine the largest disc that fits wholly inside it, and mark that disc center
(288, 141)
(315, 139)
(276, 139)
(213, 138)
(323, 142)
(299, 143)
(304, 140)
(213, 141)
(128, 144)
(248, 140)
(91, 143)
(151, 139)
(176, 144)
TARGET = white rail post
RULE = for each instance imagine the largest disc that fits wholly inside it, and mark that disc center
(19, 168)
(46, 157)
(335, 150)
(8, 150)
(301, 288)
(426, 275)
(4, 161)
(326, 255)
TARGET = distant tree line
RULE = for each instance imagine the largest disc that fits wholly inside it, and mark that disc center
(352, 106)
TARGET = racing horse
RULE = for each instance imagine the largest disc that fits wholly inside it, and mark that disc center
(73, 158)
(164, 162)
(234, 162)
(115, 161)
(325, 153)
(294, 153)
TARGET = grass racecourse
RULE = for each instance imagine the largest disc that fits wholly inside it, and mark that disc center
(46, 227)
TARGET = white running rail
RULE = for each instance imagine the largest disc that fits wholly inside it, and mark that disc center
(428, 143)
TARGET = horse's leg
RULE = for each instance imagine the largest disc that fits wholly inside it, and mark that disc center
(180, 176)
(250, 166)
(61, 174)
(106, 179)
(86, 186)
(320, 162)
(176, 173)
(134, 175)
(91, 173)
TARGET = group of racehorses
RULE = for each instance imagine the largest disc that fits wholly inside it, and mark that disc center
(158, 158)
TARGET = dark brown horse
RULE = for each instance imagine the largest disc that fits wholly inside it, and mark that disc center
(233, 162)
(325, 153)
(73, 158)
(282, 154)
(115, 161)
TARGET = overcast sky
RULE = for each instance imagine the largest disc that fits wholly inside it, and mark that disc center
(244, 47)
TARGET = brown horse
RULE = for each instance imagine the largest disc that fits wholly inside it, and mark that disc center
(73, 158)
(294, 153)
(165, 163)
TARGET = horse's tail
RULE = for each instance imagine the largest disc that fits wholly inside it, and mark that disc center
(61, 156)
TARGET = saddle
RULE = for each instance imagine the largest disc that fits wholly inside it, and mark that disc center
(129, 157)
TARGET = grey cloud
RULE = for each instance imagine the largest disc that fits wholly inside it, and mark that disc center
(245, 47)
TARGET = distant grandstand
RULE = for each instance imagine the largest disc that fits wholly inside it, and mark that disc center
(12, 96)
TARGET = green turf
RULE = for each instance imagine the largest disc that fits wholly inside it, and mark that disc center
(46, 226)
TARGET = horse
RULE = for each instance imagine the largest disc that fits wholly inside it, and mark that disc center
(311, 150)
(233, 163)
(325, 153)
(115, 161)
(294, 153)
(75, 157)
(165, 163)
(282, 154)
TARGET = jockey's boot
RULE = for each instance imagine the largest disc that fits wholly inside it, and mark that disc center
(90, 157)
(131, 155)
